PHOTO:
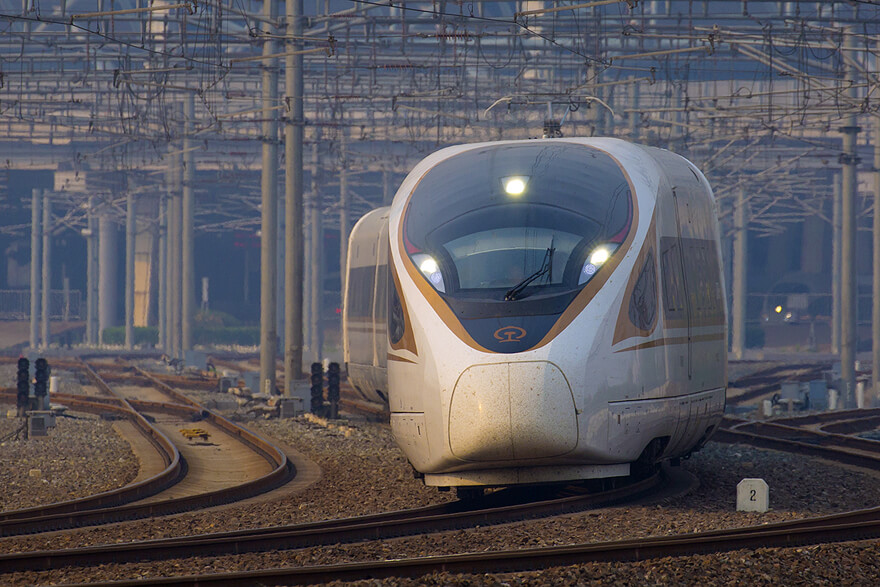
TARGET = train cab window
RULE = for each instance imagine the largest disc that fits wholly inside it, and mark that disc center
(505, 256)
(517, 224)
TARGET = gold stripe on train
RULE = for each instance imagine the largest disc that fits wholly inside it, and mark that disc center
(673, 340)
(568, 315)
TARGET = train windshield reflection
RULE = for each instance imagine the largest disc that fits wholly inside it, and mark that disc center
(487, 241)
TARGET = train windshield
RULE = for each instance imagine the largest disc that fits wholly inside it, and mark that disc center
(517, 222)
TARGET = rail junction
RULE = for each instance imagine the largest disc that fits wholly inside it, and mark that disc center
(829, 436)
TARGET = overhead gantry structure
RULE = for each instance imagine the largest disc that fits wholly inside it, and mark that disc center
(168, 113)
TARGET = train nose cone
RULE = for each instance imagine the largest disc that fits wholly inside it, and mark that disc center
(510, 411)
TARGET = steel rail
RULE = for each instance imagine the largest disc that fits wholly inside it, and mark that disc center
(849, 525)
(116, 505)
(375, 527)
(13, 521)
(270, 452)
(767, 380)
(854, 525)
(824, 418)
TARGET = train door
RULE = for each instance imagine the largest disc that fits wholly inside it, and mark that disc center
(702, 281)
(380, 301)
(682, 215)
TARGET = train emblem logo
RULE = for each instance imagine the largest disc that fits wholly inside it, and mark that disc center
(510, 334)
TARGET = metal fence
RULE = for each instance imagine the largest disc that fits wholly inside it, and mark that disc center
(15, 304)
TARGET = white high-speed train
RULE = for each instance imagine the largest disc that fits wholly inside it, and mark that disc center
(541, 311)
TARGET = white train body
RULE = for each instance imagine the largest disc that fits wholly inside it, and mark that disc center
(577, 374)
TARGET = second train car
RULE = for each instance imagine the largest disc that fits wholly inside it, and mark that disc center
(541, 311)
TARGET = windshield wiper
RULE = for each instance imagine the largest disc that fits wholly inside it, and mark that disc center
(545, 269)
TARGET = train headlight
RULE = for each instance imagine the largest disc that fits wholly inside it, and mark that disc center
(430, 269)
(515, 185)
(597, 258)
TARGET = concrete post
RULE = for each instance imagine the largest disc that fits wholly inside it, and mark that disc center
(875, 302)
(268, 220)
(65, 310)
(316, 261)
(634, 115)
(344, 222)
(92, 276)
(107, 295)
(188, 296)
(387, 195)
(177, 258)
(848, 250)
(740, 256)
(293, 189)
(171, 255)
(47, 270)
(129, 270)
(835, 266)
(848, 289)
(163, 274)
(35, 267)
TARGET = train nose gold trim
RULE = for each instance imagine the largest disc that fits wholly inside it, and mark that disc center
(512, 411)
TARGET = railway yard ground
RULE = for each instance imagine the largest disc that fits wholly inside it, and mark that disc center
(362, 472)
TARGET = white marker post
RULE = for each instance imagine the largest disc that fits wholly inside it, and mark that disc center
(752, 495)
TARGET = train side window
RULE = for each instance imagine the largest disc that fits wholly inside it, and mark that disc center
(643, 302)
(704, 280)
(396, 325)
(382, 283)
(673, 288)
(360, 295)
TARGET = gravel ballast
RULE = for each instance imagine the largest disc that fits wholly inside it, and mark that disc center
(364, 472)
(81, 456)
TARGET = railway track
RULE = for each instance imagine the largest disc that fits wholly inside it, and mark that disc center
(145, 498)
(765, 381)
(853, 525)
(502, 507)
(782, 435)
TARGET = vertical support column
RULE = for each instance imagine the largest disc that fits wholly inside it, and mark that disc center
(170, 256)
(634, 114)
(47, 273)
(35, 267)
(163, 274)
(875, 302)
(848, 286)
(170, 253)
(107, 295)
(316, 261)
(187, 285)
(307, 281)
(343, 210)
(129, 270)
(848, 290)
(387, 195)
(65, 287)
(177, 260)
(175, 252)
(94, 296)
(835, 266)
(92, 275)
(740, 254)
(293, 190)
(268, 220)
